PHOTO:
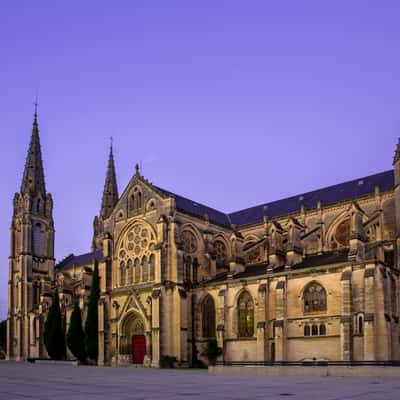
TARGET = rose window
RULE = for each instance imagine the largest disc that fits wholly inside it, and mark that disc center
(220, 250)
(189, 242)
(138, 242)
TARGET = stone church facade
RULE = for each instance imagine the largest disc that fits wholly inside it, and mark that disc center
(310, 277)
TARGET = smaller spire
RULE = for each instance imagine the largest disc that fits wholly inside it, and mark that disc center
(137, 169)
(110, 192)
(397, 153)
(33, 178)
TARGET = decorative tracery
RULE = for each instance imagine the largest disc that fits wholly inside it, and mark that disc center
(189, 242)
(136, 255)
(341, 236)
(314, 298)
(246, 315)
(220, 251)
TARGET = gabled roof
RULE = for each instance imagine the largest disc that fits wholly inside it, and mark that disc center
(330, 195)
(80, 260)
(327, 196)
(198, 210)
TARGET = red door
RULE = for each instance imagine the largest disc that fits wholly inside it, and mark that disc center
(138, 349)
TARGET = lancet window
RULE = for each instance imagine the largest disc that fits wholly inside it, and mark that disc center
(245, 315)
(208, 317)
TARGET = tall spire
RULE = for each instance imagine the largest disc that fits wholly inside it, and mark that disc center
(110, 193)
(33, 178)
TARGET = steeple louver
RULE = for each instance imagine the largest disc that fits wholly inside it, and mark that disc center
(110, 193)
(33, 178)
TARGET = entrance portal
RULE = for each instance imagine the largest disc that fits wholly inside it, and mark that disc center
(138, 349)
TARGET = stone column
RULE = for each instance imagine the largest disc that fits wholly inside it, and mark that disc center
(345, 319)
(155, 330)
(262, 340)
(369, 317)
(180, 325)
(114, 332)
(279, 325)
(382, 318)
(101, 347)
(220, 322)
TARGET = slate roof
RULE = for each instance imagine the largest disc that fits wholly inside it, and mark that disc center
(80, 260)
(311, 261)
(198, 210)
(329, 195)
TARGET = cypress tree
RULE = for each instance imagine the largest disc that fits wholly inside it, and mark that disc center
(54, 339)
(91, 324)
(75, 335)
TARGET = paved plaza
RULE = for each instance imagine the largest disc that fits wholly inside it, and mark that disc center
(28, 381)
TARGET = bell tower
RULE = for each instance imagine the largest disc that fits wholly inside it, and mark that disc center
(31, 261)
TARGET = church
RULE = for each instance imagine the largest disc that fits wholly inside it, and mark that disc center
(309, 277)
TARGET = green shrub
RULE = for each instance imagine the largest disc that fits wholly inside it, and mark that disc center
(75, 335)
(92, 319)
(212, 351)
(167, 361)
(54, 339)
(2, 354)
(3, 335)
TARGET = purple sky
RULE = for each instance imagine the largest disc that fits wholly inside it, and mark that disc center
(230, 103)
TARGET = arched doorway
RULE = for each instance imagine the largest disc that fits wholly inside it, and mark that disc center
(133, 339)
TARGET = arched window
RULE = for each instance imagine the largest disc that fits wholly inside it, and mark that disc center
(341, 236)
(152, 267)
(36, 292)
(37, 240)
(195, 269)
(132, 202)
(38, 206)
(322, 330)
(122, 274)
(393, 292)
(314, 298)
(245, 315)
(360, 325)
(306, 330)
(208, 314)
(139, 203)
(220, 251)
(137, 270)
(314, 330)
(188, 265)
(145, 269)
(129, 267)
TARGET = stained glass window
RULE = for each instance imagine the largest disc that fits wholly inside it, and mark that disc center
(152, 267)
(208, 314)
(246, 315)
(342, 234)
(122, 274)
(314, 298)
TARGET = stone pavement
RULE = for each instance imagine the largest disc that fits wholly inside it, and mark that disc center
(59, 382)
